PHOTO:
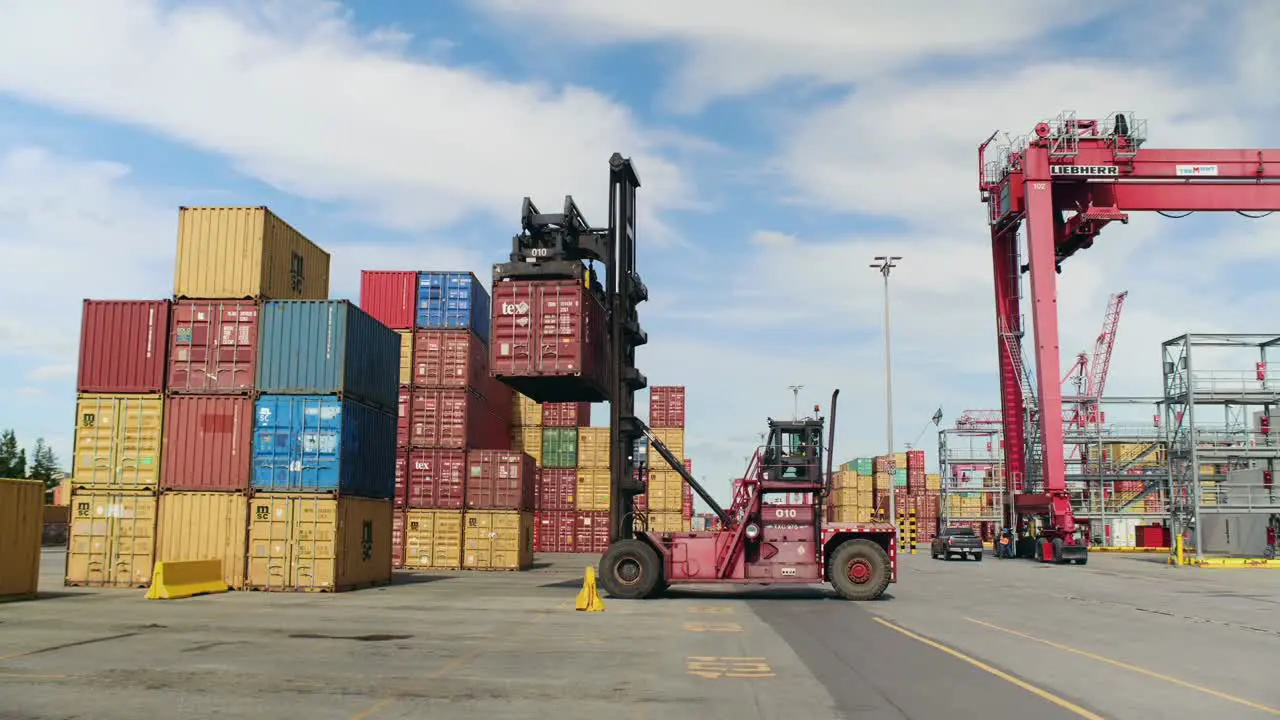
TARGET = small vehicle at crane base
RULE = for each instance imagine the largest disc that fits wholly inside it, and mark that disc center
(759, 542)
(953, 541)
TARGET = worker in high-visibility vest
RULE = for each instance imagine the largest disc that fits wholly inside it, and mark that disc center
(1005, 549)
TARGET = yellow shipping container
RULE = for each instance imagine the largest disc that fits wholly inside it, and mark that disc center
(112, 538)
(665, 491)
(883, 481)
(406, 356)
(844, 496)
(307, 542)
(844, 479)
(673, 438)
(866, 499)
(850, 514)
(866, 483)
(528, 440)
(593, 447)
(497, 540)
(21, 527)
(525, 412)
(900, 461)
(205, 526)
(243, 252)
(666, 521)
(932, 481)
(117, 441)
(593, 489)
(433, 539)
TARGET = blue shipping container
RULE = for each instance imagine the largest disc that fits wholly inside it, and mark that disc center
(453, 301)
(321, 443)
(324, 347)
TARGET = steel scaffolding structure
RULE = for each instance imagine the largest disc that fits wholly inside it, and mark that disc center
(1218, 423)
(970, 462)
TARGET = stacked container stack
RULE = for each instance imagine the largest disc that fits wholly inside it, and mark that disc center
(572, 511)
(464, 497)
(665, 498)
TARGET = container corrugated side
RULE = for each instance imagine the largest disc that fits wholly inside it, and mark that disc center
(406, 356)
(593, 489)
(593, 447)
(123, 345)
(436, 479)
(433, 539)
(528, 440)
(497, 540)
(21, 522)
(591, 532)
(453, 300)
(205, 526)
(554, 530)
(112, 538)
(667, 406)
(118, 441)
(246, 252)
(500, 480)
(673, 438)
(390, 296)
(311, 543)
(525, 412)
(213, 346)
(208, 443)
(321, 443)
(450, 360)
(455, 419)
(549, 340)
(560, 447)
(321, 347)
(566, 414)
(557, 489)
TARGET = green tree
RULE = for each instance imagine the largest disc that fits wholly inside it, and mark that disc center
(13, 459)
(44, 465)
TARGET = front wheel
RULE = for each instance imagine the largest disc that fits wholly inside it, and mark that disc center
(630, 569)
(859, 570)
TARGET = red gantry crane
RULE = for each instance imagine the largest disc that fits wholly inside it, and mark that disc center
(1066, 182)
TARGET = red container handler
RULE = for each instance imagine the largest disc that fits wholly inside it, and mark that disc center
(450, 360)
(208, 443)
(455, 420)
(549, 340)
(390, 296)
(554, 531)
(557, 489)
(213, 346)
(436, 479)
(123, 346)
(500, 480)
(666, 406)
(566, 415)
(591, 531)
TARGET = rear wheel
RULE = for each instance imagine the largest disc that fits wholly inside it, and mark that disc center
(1058, 544)
(631, 570)
(859, 570)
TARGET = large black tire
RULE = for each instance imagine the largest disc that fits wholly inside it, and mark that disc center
(859, 570)
(978, 557)
(1058, 544)
(631, 570)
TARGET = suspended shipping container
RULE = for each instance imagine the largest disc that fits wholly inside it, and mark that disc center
(322, 347)
(390, 296)
(118, 441)
(559, 447)
(21, 522)
(112, 538)
(566, 414)
(123, 346)
(213, 346)
(208, 443)
(246, 252)
(591, 532)
(455, 420)
(500, 480)
(437, 479)
(313, 543)
(453, 301)
(557, 489)
(497, 540)
(433, 539)
(550, 340)
(449, 360)
(666, 406)
(321, 443)
(205, 526)
(554, 531)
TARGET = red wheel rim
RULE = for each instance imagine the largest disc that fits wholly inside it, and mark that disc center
(860, 571)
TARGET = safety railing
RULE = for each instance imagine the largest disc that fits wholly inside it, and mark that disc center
(1220, 382)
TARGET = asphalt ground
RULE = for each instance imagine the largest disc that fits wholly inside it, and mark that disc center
(1123, 637)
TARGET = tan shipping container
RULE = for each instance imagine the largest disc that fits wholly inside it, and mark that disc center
(21, 525)
(525, 412)
(406, 356)
(673, 438)
(528, 440)
(593, 447)
(205, 526)
(666, 521)
(593, 489)
(433, 539)
(497, 540)
(117, 441)
(309, 543)
(112, 540)
(246, 252)
(665, 491)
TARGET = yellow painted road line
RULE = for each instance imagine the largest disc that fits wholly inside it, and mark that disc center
(1038, 692)
(1133, 668)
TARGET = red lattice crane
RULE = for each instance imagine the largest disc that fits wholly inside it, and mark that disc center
(1066, 182)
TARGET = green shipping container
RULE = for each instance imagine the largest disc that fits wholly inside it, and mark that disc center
(900, 478)
(865, 465)
(560, 448)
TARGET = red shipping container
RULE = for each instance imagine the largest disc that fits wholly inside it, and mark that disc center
(666, 406)
(554, 531)
(455, 420)
(123, 346)
(401, 497)
(450, 359)
(557, 489)
(566, 414)
(915, 460)
(640, 503)
(549, 340)
(213, 346)
(500, 480)
(208, 443)
(398, 518)
(402, 418)
(437, 479)
(591, 532)
(390, 296)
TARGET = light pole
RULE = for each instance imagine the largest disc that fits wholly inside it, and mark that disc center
(884, 264)
(795, 400)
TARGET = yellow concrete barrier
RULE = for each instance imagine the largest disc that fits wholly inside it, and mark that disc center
(185, 578)
(1223, 563)
(1164, 550)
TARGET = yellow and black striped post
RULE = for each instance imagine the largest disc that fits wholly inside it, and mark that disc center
(907, 529)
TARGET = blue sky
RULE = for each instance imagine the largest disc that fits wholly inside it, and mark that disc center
(779, 152)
